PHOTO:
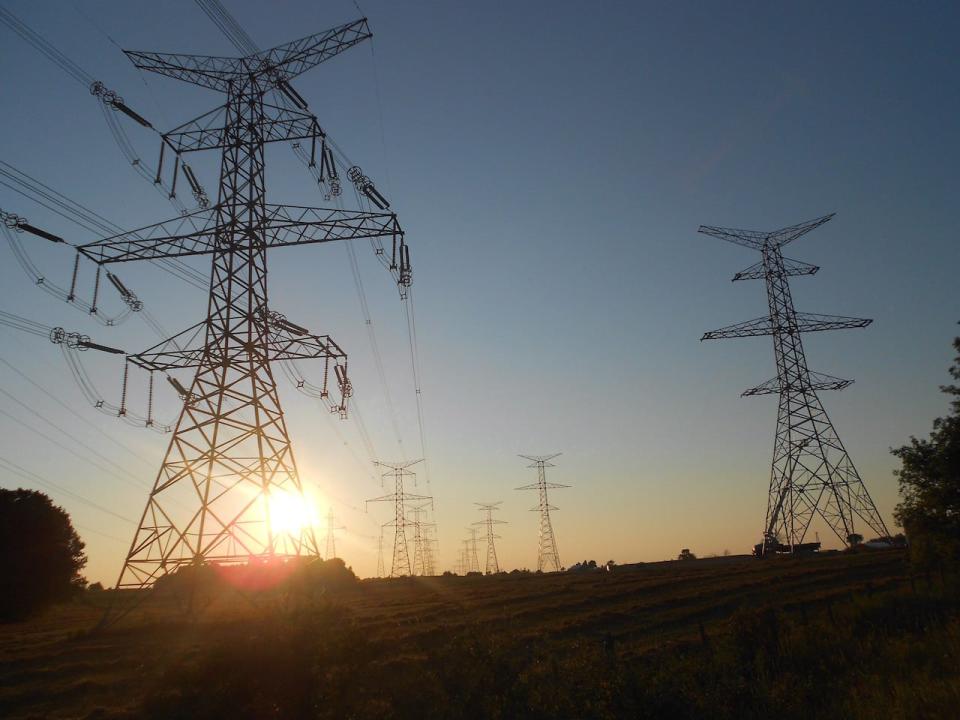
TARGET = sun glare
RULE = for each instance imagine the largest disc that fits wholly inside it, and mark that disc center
(290, 513)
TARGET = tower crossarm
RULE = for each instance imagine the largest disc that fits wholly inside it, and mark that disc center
(284, 225)
(208, 71)
(393, 496)
(805, 322)
(285, 62)
(759, 239)
(749, 328)
(285, 341)
(291, 342)
(536, 486)
(277, 65)
(209, 131)
(791, 267)
(814, 381)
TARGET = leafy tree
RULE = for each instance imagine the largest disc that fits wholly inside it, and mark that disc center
(41, 554)
(929, 477)
(685, 554)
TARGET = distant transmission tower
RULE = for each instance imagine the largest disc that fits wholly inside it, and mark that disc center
(228, 489)
(400, 499)
(548, 557)
(472, 557)
(470, 561)
(812, 473)
(492, 566)
(380, 570)
(331, 538)
(422, 556)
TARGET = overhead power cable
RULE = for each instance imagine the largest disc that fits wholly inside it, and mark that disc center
(31, 476)
(65, 406)
(110, 103)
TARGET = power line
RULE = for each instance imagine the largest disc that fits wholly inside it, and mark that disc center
(31, 476)
(73, 412)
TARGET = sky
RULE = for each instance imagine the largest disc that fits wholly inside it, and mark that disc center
(550, 164)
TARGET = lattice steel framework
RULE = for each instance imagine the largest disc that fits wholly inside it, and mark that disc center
(812, 474)
(229, 482)
(380, 569)
(548, 557)
(331, 535)
(397, 472)
(422, 554)
(492, 566)
(470, 558)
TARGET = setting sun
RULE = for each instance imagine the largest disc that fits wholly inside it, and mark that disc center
(290, 513)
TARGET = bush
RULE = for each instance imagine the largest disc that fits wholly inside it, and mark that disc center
(40, 552)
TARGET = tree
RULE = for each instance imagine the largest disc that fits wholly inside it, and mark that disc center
(685, 554)
(929, 478)
(41, 555)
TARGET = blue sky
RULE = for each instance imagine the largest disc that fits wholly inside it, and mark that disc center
(550, 163)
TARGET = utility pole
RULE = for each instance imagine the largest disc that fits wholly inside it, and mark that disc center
(331, 539)
(548, 557)
(492, 566)
(228, 489)
(812, 474)
(400, 498)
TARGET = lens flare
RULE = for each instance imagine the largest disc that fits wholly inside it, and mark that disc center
(290, 513)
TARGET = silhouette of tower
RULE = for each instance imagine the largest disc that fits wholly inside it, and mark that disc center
(400, 498)
(380, 570)
(548, 557)
(473, 560)
(422, 556)
(492, 566)
(812, 474)
(228, 489)
(331, 537)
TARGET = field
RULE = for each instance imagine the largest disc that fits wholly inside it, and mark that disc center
(845, 635)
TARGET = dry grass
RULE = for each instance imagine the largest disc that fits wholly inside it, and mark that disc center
(53, 667)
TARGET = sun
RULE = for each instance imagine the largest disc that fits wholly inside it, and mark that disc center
(289, 512)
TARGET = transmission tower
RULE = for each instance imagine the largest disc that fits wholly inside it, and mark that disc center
(422, 557)
(228, 489)
(380, 570)
(470, 561)
(400, 499)
(473, 558)
(492, 566)
(548, 557)
(331, 537)
(811, 474)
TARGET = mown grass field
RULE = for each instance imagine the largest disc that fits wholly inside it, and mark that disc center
(724, 637)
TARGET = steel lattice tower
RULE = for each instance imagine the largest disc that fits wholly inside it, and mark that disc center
(380, 570)
(400, 499)
(811, 474)
(492, 566)
(471, 562)
(229, 461)
(331, 537)
(422, 557)
(548, 557)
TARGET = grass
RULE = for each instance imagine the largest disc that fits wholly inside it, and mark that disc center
(845, 636)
